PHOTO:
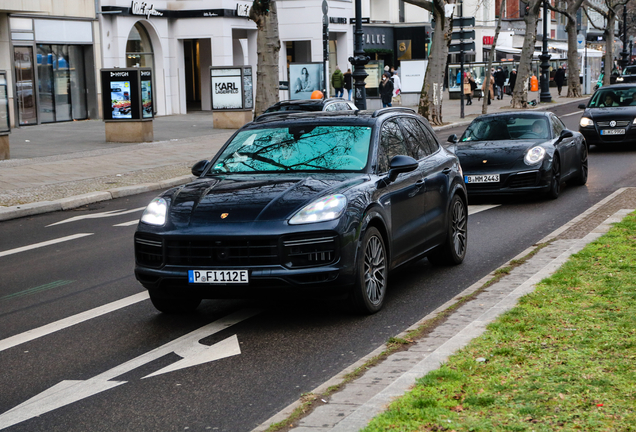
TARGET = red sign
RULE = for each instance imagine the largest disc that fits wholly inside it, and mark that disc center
(488, 40)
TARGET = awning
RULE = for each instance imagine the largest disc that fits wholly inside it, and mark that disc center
(509, 50)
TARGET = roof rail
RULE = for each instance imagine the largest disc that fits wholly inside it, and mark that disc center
(381, 111)
(278, 113)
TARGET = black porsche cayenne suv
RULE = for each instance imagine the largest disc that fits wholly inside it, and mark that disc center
(306, 203)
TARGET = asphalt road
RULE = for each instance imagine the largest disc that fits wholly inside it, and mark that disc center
(94, 375)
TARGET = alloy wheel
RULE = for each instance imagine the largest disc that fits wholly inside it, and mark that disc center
(458, 227)
(374, 271)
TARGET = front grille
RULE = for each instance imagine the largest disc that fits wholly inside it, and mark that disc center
(619, 123)
(222, 252)
(310, 252)
(148, 251)
(526, 179)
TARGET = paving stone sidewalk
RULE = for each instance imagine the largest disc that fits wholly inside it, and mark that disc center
(359, 401)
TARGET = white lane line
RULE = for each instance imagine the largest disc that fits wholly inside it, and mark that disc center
(571, 114)
(70, 321)
(125, 224)
(111, 213)
(43, 244)
(472, 209)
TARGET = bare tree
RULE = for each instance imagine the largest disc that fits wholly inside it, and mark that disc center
(520, 93)
(569, 11)
(493, 53)
(609, 15)
(430, 105)
(264, 14)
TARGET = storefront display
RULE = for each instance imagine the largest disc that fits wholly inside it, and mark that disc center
(129, 94)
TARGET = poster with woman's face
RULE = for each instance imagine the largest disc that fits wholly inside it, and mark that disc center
(304, 79)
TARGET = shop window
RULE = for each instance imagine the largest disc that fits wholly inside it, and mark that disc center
(139, 51)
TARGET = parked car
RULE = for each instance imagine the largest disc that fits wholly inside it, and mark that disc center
(520, 152)
(627, 76)
(306, 203)
(610, 116)
(328, 104)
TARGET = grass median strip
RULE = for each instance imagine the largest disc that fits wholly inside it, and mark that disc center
(563, 359)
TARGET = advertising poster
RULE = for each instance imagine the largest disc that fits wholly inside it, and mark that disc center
(146, 99)
(304, 79)
(120, 99)
(227, 89)
(412, 75)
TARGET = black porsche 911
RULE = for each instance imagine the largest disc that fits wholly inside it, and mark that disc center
(520, 152)
(306, 203)
(610, 116)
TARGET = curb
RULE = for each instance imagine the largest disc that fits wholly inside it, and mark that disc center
(14, 212)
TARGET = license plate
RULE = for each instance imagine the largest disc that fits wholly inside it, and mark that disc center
(613, 132)
(218, 276)
(490, 178)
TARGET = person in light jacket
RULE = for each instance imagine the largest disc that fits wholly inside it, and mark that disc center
(488, 87)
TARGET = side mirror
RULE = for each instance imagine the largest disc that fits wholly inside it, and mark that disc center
(400, 164)
(199, 167)
(453, 139)
(565, 134)
(582, 106)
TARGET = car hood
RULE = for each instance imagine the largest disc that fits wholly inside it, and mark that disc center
(611, 113)
(243, 198)
(495, 153)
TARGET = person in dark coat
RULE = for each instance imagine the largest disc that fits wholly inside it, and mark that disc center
(512, 80)
(500, 79)
(386, 90)
(559, 78)
(348, 82)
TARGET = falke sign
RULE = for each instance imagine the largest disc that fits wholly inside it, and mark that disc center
(226, 88)
(145, 9)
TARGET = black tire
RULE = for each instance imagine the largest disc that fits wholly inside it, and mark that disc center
(555, 181)
(173, 305)
(369, 290)
(453, 251)
(581, 179)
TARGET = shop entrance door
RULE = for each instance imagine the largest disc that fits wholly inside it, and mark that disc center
(191, 49)
(25, 85)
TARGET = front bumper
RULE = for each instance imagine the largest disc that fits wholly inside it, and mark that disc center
(512, 183)
(593, 137)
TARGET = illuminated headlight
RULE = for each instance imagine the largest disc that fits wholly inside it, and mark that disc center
(634, 122)
(620, 79)
(325, 209)
(155, 213)
(586, 122)
(534, 155)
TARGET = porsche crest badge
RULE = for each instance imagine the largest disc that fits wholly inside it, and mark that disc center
(224, 215)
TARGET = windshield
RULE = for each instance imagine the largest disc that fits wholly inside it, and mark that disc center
(629, 70)
(507, 127)
(613, 97)
(297, 148)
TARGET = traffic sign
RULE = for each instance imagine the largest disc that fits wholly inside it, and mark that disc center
(580, 41)
(467, 46)
(463, 35)
(464, 22)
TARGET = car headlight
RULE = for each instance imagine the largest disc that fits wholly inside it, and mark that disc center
(620, 79)
(155, 213)
(324, 209)
(586, 122)
(534, 155)
(634, 122)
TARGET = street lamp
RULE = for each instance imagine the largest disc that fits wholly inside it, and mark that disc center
(624, 53)
(545, 95)
(358, 61)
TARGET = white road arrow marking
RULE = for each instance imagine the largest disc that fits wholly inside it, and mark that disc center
(125, 224)
(42, 244)
(188, 347)
(472, 209)
(98, 215)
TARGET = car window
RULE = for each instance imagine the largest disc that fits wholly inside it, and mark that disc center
(391, 144)
(507, 127)
(604, 98)
(332, 107)
(296, 148)
(417, 142)
(557, 126)
(431, 138)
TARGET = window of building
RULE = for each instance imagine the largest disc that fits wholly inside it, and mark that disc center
(139, 51)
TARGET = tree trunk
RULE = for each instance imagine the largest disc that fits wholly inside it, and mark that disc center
(574, 62)
(609, 46)
(430, 105)
(520, 93)
(493, 53)
(264, 14)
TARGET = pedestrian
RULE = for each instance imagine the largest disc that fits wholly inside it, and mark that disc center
(348, 82)
(386, 90)
(559, 78)
(397, 87)
(512, 80)
(469, 87)
(337, 81)
(488, 88)
(500, 79)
